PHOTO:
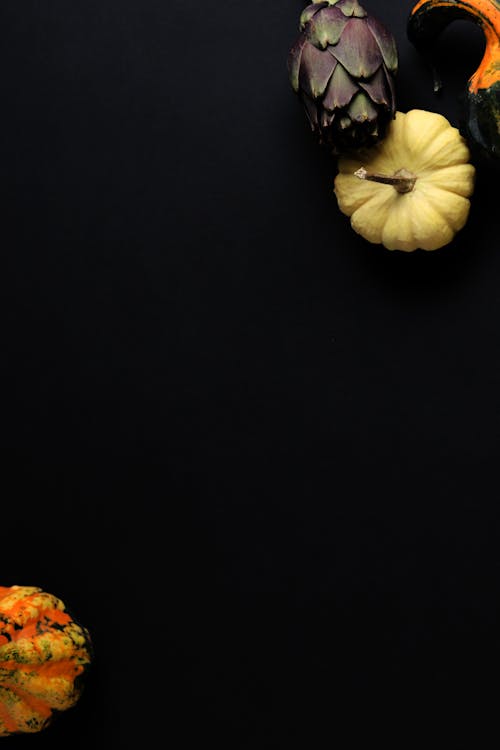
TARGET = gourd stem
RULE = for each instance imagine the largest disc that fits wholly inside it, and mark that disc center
(403, 180)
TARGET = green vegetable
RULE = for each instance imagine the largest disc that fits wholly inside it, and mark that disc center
(343, 67)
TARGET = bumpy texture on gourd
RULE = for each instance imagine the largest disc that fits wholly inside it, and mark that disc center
(427, 217)
(43, 653)
(482, 97)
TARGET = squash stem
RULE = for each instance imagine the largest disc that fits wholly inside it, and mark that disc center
(403, 180)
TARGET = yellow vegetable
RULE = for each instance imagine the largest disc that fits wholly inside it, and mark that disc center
(411, 190)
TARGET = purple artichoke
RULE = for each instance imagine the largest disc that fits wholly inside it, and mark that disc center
(343, 67)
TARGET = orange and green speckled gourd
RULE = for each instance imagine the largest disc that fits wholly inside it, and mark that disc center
(43, 653)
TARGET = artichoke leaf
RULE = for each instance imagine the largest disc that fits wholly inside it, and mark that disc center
(358, 50)
(309, 12)
(340, 90)
(327, 27)
(385, 42)
(316, 68)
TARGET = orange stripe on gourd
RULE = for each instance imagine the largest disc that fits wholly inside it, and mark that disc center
(487, 14)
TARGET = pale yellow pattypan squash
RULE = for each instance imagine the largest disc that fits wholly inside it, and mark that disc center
(411, 190)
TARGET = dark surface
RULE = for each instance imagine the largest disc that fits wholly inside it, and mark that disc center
(257, 456)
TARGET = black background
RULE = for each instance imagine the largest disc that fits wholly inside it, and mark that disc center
(254, 454)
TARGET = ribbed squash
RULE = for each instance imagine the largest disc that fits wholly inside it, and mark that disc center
(412, 190)
(43, 654)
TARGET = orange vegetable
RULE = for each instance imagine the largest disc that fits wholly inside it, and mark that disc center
(427, 20)
(43, 655)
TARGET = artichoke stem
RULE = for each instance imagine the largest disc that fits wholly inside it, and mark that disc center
(403, 180)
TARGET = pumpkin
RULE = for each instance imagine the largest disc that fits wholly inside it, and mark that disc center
(482, 97)
(43, 654)
(411, 190)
